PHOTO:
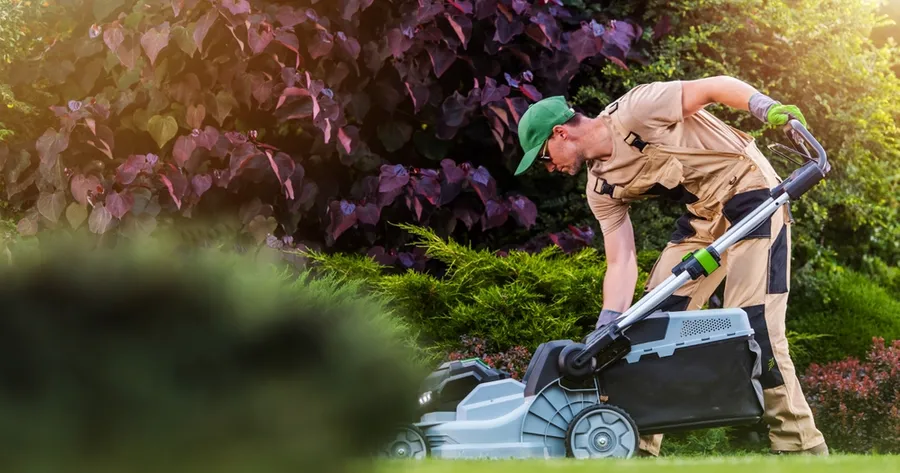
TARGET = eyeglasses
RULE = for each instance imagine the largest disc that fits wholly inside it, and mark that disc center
(543, 156)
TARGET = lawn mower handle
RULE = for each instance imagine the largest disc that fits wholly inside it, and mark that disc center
(609, 343)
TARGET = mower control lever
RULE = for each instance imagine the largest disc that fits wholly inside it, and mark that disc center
(807, 176)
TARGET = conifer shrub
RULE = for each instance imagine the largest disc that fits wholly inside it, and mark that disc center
(517, 298)
(157, 358)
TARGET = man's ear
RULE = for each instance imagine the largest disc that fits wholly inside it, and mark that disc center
(561, 131)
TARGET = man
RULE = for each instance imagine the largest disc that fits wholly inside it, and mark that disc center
(658, 140)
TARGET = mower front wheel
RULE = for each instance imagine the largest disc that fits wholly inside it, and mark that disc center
(602, 431)
(409, 443)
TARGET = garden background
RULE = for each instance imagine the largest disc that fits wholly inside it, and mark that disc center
(373, 141)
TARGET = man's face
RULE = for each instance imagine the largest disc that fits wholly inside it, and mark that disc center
(562, 152)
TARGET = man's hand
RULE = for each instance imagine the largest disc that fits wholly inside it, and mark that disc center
(780, 114)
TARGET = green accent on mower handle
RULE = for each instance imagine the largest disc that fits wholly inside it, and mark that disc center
(706, 260)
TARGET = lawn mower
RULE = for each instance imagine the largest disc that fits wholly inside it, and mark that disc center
(647, 372)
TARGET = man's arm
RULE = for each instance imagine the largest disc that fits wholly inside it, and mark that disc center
(621, 268)
(737, 94)
(696, 94)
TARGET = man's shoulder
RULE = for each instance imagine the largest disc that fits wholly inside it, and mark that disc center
(649, 106)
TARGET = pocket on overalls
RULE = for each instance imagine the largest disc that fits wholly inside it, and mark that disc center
(661, 169)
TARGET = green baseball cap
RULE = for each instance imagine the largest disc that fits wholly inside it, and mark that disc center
(537, 124)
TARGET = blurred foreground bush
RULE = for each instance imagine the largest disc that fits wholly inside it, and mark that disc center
(151, 358)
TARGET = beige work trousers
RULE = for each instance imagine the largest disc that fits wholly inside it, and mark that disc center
(757, 278)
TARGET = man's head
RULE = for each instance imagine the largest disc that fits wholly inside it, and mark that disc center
(552, 132)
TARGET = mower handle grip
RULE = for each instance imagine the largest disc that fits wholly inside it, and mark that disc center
(798, 134)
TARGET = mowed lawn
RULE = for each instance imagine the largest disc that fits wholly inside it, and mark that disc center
(743, 464)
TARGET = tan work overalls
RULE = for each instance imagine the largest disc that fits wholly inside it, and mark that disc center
(719, 188)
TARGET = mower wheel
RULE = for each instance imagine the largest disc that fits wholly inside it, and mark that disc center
(602, 431)
(409, 443)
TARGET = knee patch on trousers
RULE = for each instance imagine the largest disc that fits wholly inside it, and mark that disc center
(683, 228)
(771, 376)
(742, 204)
(778, 261)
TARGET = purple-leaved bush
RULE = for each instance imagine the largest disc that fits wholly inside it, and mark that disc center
(308, 121)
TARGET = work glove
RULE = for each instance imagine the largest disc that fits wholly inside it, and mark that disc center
(770, 111)
(607, 317)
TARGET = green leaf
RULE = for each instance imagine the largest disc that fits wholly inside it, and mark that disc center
(89, 75)
(260, 227)
(76, 214)
(102, 8)
(51, 206)
(142, 119)
(184, 38)
(162, 129)
(128, 79)
(225, 101)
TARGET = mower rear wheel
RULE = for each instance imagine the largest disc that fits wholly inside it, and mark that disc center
(409, 443)
(602, 431)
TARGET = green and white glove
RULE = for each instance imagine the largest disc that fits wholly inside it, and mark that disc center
(773, 112)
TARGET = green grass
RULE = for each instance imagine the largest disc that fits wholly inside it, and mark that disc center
(743, 464)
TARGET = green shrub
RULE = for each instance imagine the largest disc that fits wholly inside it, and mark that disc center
(518, 299)
(154, 358)
(846, 306)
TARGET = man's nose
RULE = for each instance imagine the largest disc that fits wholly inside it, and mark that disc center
(550, 166)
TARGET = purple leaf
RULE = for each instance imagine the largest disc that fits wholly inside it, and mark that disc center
(348, 137)
(467, 215)
(509, 80)
(414, 203)
(201, 183)
(506, 30)
(349, 44)
(662, 27)
(426, 12)
(597, 29)
(617, 41)
(100, 220)
(368, 213)
(119, 204)
(175, 181)
(583, 44)
(528, 76)
(484, 184)
(517, 107)
(584, 235)
(453, 110)
(531, 92)
(241, 156)
(184, 147)
(495, 214)
(320, 44)
(464, 6)
(289, 16)
(343, 216)
(452, 173)
(288, 39)
(428, 186)
(398, 43)
(441, 58)
(524, 210)
(519, 6)
(548, 26)
(381, 256)
(492, 93)
(282, 165)
(203, 25)
(113, 37)
(419, 95)
(83, 186)
(237, 7)
(462, 25)
(129, 170)
(259, 40)
(154, 40)
(392, 178)
(485, 8)
(49, 145)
